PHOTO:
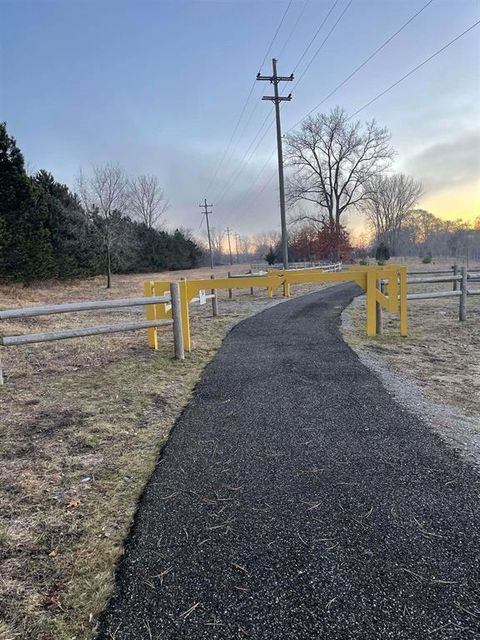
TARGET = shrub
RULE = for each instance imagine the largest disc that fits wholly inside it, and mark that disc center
(428, 258)
(382, 254)
(271, 257)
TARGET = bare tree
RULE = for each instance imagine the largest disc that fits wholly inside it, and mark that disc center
(389, 201)
(263, 241)
(217, 236)
(334, 161)
(104, 195)
(147, 201)
(245, 243)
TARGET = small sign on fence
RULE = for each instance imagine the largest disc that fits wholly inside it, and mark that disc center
(202, 296)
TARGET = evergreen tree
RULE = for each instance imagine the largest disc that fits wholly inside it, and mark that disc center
(25, 239)
(76, 247)
(45, 231)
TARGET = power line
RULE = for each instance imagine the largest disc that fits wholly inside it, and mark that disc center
(254, 185)
(382, 93)
(229, 181)
(227, 149)
(315, 35)
(300, 15)
(300, 59)
(323, 43)
(412, 71)
(366, 61)
(236, 173)
(275, 36)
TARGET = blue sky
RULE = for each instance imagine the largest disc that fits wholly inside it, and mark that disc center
(158, 87)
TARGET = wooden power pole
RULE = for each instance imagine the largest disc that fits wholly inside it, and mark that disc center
(206, 213)
(229, 244)
(275, 79)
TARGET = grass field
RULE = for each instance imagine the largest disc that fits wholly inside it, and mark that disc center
(81, 424)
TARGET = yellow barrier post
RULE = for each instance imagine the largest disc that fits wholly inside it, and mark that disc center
(371, 302)
(403, 302)
(150, 310)
(365, 277)
(162, 288)
(184, 300)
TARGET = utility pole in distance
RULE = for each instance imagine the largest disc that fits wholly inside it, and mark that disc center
(237, 238)
(275, 79)
(206, 213)
(229, 244)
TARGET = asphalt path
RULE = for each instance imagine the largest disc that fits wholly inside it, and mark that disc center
(296, 500)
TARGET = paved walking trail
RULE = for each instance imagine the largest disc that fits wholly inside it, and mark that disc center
(296, 499)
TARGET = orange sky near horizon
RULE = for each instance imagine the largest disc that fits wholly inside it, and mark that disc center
(454, 203)
(448, 204)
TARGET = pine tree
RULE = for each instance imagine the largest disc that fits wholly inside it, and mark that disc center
(25, 238)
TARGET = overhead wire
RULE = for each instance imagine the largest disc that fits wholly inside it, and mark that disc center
(308, 65)
(324, 41)
(234, 175)
(227, 148)
(357, 69)
(365, 62)
(315, 35)
(416, 68)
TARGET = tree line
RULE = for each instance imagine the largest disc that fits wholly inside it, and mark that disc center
(111, 225)
(339, 166)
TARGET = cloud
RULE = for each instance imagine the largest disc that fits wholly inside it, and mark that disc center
(448, 164)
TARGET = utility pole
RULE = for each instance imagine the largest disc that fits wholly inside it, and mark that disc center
(237, 238)
(229, 244)
(275, 79)
(206, 213)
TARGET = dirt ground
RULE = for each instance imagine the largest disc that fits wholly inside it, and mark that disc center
(439, 362)
(81, 426)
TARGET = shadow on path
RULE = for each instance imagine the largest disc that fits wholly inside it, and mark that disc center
(296, 500)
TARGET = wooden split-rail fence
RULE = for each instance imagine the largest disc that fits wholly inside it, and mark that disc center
(171, 298)
(460, 278)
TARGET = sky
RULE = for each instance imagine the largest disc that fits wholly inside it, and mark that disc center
(159, 86)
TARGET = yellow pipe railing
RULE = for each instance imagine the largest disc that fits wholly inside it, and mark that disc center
(393, 299)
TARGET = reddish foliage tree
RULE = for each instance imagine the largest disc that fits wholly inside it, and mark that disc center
(324, 242)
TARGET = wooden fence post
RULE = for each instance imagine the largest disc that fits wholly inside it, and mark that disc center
(379, 310)
(403, 301)
(214, 300)
(462, 312)
(177, 321)
(455, 273)
(251, 288)
(230, 292)
(371, 303)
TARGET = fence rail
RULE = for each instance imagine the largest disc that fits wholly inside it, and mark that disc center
(264, 266)
(170, 298)
(69, 307)
(460, 279)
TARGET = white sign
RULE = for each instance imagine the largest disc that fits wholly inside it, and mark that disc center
(202, 296)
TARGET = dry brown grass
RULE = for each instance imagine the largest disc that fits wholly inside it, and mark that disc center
(81, 424)
(441, 354)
